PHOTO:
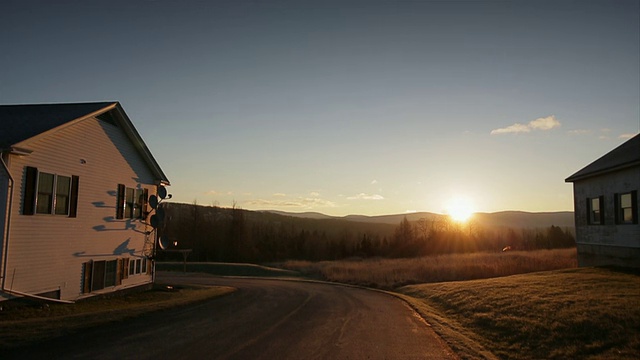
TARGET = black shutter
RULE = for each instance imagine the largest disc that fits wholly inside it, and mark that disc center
(86, 277)
(634, 206)
(120, 202)
(30, 191)
(73, 200)
(617, 209)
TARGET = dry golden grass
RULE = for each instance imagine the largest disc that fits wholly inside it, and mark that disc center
(392, 273)
(582, 313)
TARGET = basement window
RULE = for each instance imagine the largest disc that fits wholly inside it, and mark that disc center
(101, 274)
(138, 266)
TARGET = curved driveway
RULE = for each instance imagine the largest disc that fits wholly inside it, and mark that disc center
(264, 319)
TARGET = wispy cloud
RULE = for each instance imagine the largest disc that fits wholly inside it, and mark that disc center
(374, 181)
(543, 123)
(279, 195)
(579, 132)
(214, 193)
(627, 136)
(513, 129)
(602, 134)
(299, 202)
(363, 196)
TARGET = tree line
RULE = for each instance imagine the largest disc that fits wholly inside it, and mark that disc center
(236, 235)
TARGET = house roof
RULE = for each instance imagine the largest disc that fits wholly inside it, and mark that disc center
(622, 157)
(22, 122)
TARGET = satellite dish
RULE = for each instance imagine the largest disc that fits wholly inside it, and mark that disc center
(164, 242)
(156, 221)
(162, 192)
(153, 201)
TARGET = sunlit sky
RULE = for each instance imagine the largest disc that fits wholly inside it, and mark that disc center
(345, 107)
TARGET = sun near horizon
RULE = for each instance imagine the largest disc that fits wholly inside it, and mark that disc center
(460, 208)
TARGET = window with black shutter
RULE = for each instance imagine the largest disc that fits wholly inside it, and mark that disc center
(626, 208)
(595, 208)
(48, 193)
(131, 203)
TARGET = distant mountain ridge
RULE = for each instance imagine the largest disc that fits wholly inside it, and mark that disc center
(512, 219)
(238, 235)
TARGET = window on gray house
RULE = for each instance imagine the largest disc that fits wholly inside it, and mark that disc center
(627, 208)
(596, 210)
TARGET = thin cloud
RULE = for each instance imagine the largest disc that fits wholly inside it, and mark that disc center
(513, 129)
(279, 195)
(374, 181)
(303, 203)
(543, 123)
(363, 196)
(214, 193)
(579, 132)
(627, 136)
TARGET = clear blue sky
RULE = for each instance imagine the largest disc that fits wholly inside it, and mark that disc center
(345, 107)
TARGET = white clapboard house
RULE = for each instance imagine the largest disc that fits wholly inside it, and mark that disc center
(606, 200)
(75, 180)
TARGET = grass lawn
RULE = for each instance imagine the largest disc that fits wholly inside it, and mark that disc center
(585, 313)
(30, 322)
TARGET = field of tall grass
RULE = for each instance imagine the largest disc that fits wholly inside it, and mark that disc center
(392, 273)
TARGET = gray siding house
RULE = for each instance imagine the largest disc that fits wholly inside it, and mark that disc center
(606, 208)
(74, 184)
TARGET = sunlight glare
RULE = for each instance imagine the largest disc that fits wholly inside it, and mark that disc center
(460, 208)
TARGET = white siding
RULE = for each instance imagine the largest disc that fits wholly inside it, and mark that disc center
(46, 252)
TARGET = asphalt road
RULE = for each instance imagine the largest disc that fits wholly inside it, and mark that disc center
(264, 319)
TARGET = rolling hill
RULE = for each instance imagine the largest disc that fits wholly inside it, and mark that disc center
(503, 219)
